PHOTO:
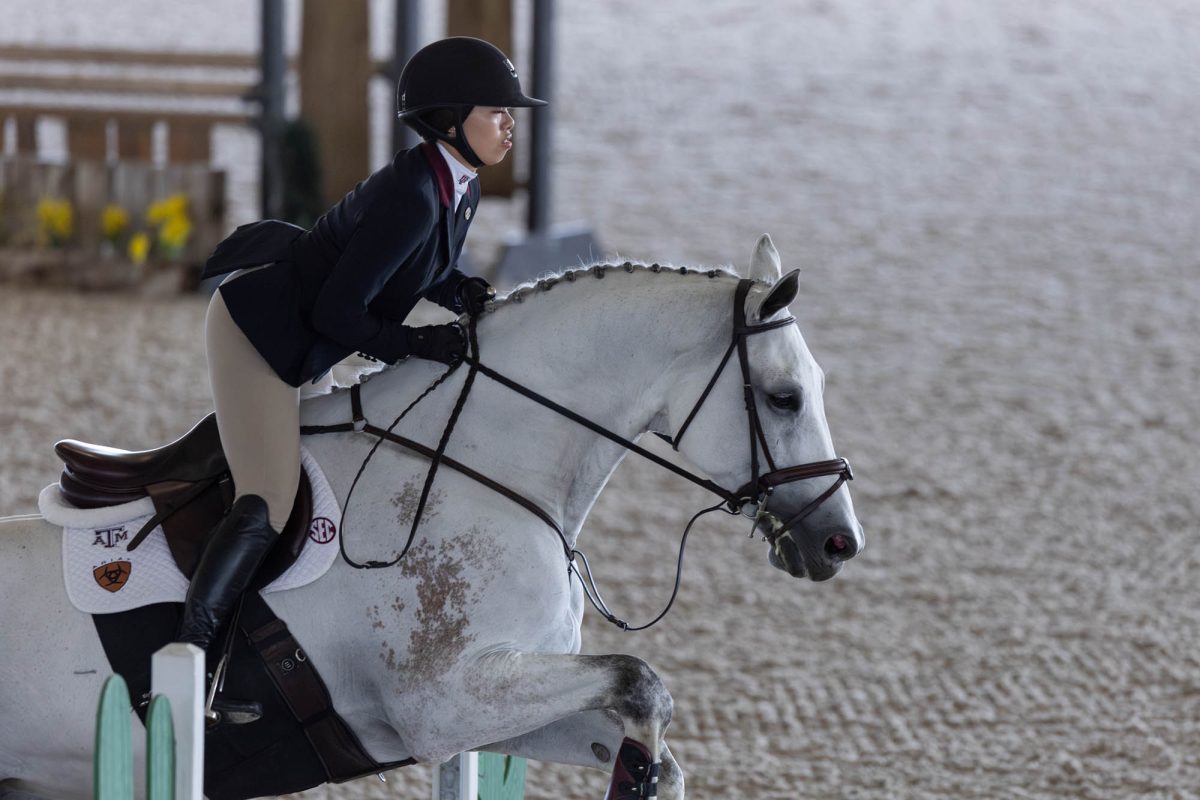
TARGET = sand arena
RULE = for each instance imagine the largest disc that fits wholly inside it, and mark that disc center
(994, 205)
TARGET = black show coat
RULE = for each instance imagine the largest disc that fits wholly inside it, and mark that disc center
(347, 284)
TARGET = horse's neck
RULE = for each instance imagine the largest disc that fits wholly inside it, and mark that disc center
(606, 351)
(609, 350)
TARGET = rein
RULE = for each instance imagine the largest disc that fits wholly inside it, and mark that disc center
(757, 490)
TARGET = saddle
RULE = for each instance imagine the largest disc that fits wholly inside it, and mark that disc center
(191, 488)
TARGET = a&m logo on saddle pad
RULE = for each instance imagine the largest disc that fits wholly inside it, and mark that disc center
(112, 576)
(109, 537)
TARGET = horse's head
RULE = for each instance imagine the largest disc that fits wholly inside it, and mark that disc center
(760, 425)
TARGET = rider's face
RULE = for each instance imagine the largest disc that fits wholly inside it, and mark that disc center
(489, 131)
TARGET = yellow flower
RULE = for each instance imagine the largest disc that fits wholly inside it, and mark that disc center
(56, 220)
(172, 225)
(174, 233)
(114, 221)
(174, 206)
(139, 247)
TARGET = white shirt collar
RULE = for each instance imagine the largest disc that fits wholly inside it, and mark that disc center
(459, 174)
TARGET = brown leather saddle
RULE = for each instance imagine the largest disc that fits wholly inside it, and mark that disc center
(190, 485)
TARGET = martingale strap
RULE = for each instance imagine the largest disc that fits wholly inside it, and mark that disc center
(360, 424)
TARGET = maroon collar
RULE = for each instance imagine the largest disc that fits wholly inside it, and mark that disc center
(441, 172)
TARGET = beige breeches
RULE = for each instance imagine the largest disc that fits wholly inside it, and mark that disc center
(258, 415)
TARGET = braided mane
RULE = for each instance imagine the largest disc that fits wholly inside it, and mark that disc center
(548, 281)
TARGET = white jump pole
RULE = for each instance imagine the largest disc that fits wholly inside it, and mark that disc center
(458, 778)
(177, 671)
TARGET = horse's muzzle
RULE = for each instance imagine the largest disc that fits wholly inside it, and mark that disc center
(819, 558)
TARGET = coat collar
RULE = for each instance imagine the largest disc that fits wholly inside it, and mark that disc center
(441, 173)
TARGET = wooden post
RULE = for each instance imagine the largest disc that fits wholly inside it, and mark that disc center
(26, 134)
(335, 68)
(160, 750)
(177, 672)
(457, 779)
(480, 776)
(112, 774)
(135, 139)
(492, 21)
(501, 777)
(90, 195)
(20, 202)
(87, 138)
(188, 141)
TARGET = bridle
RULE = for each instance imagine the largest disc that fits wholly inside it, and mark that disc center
(756, 491)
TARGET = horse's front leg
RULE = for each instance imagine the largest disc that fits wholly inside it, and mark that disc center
(589, 739)
(505, 694)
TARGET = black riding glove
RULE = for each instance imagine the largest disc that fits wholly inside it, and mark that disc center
(444, 343)
(474, 293)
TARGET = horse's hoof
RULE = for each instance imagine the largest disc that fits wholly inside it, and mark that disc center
(635, 775)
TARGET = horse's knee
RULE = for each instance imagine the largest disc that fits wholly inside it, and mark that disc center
(638, 693)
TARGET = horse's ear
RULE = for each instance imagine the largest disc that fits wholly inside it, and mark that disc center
(764, 264)
(781, 295)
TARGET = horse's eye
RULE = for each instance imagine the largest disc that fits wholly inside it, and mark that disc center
(785, 401)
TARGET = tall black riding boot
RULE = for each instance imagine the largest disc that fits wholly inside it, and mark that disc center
(233, 554)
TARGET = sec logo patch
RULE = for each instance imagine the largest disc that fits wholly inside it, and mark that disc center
(322, 530)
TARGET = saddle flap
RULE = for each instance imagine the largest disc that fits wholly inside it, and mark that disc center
(291, 539)
(187, 529)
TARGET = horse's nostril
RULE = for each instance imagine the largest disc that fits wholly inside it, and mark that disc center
(839, 546)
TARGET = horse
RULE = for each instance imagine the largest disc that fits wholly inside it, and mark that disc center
(472, 640)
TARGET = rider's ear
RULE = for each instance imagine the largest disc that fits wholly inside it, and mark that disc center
(764, 264)
(780, 296)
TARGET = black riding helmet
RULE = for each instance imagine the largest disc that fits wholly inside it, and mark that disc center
(457, 74)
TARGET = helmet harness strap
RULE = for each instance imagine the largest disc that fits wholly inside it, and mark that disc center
(458, 141)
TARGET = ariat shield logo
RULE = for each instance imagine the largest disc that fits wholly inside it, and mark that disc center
(322, 530)
(113, 576)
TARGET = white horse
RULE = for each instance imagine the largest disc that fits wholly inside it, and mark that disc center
(472, 641)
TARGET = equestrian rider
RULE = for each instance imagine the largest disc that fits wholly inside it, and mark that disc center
(344, 286)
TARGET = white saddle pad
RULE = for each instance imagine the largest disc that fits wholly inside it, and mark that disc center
(102, 577)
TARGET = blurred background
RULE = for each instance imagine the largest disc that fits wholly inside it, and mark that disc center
(994, 207)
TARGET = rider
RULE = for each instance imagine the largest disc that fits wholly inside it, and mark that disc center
(344, 286)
